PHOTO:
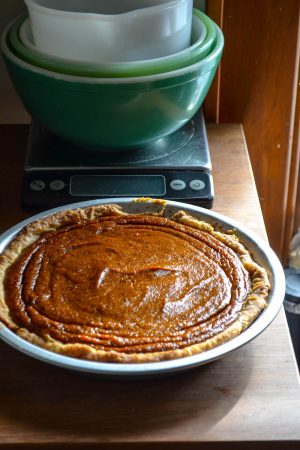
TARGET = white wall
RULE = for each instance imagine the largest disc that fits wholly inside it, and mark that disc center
(11, 109)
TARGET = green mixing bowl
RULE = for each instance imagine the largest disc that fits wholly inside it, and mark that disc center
(189, 56)
(116, 113)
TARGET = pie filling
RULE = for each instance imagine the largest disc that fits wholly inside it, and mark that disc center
(130, 283)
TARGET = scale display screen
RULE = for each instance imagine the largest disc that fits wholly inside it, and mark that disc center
(117, 185)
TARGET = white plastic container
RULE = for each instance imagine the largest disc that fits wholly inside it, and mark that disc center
(110, 31)
(199, 33)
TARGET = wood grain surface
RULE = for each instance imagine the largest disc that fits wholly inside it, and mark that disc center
(258, 87)
(249, 399)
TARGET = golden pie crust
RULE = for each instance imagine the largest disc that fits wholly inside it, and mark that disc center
(100, 284)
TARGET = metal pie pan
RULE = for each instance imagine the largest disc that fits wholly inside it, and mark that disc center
(262, 254)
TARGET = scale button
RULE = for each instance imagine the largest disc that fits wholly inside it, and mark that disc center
(37, 185)
(197, 185)
(57, 185)
(177, 185)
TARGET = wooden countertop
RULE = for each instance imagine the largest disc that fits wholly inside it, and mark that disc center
(248, 399)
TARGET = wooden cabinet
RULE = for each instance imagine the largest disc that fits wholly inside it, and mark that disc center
(257, 86)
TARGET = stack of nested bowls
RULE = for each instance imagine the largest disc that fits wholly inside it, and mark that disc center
(112, 74)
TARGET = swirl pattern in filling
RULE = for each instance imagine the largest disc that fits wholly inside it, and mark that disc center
(131, 284)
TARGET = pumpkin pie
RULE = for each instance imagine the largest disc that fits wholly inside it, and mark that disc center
(100, 284)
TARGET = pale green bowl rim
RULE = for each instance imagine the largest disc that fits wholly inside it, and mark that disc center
(111, 70)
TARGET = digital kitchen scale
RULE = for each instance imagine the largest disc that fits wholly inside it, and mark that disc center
(176, 167)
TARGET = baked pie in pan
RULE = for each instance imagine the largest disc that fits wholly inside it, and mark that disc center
(100, 284)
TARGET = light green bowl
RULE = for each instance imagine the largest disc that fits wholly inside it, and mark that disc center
(116, 113)
(125, 69)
